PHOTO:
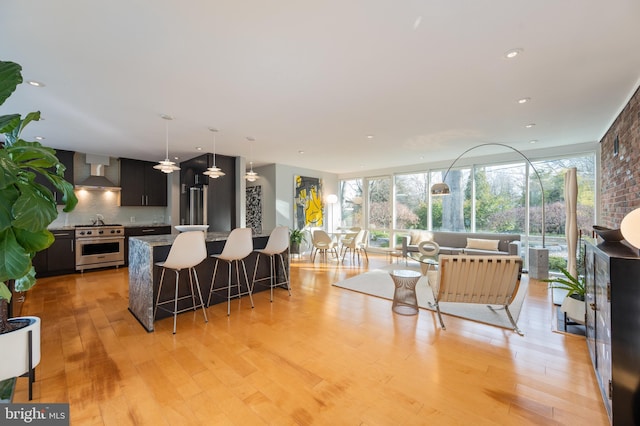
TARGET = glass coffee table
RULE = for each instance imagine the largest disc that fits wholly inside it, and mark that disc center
(426, 262)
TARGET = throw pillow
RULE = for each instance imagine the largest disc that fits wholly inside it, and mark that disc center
(419, 236)
(479, 244)
(414, 237)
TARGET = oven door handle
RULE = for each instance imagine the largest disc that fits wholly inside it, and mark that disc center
(99, 240)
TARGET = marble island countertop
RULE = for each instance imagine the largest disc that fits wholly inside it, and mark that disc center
(144, 277)
(167, 239)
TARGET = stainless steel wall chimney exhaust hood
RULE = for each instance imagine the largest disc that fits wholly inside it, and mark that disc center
(96, 180)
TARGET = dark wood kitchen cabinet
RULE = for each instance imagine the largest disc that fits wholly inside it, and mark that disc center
(142, 185)
(59, 258)
(613, 327)
(66, 158)
(136, 231)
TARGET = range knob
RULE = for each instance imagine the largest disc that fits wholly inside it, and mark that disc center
(101, 232)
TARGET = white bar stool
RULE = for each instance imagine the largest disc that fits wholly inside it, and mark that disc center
(187, 251)
(277, 245)
(238, 246)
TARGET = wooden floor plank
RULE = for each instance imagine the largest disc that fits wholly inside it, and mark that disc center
(322, 355)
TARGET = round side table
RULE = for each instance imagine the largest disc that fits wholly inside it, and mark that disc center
(405, 301)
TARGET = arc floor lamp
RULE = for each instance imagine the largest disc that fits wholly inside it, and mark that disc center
(443, 189)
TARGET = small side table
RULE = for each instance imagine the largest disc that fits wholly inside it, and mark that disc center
(393, 254)
(405, 300)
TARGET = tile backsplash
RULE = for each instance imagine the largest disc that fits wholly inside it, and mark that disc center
(106, 203)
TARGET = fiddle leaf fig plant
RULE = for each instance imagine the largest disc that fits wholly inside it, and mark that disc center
(27, 208)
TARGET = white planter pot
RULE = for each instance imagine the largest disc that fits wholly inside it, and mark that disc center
(574, 309)
(14, 356)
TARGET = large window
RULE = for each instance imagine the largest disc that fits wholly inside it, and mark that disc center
(500, 198)
(504, 198)
(448, 213)
(552, 173)
(351, 201)
(412, 201)
(379, 217)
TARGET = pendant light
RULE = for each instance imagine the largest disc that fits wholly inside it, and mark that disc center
(214, 172)
(251, 176)
(166, 166)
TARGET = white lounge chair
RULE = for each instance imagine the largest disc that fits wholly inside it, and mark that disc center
(487, 280)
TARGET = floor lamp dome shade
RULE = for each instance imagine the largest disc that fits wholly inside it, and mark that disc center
(440, 189)
(630, 228)
(166, 165)
(443, 189)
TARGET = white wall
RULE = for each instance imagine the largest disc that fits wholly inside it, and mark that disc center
(277, 183)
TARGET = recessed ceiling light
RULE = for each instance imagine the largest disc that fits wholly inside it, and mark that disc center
(300, 152)
(523, 100)
(198, 148)
(533, 141)
(369, 136)
(35, 83)
(176, 158)
(510, 54)
(40, 138)
(417, 23)
(530, 125)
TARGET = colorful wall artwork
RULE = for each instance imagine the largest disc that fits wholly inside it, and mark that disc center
(308, 207)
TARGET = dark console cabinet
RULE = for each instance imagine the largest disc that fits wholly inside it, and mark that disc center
(142, 185)
(613, 327)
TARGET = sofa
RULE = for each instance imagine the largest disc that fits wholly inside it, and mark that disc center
(471, 243)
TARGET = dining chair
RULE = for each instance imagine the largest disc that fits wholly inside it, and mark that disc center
(323, 243)
(355, 246)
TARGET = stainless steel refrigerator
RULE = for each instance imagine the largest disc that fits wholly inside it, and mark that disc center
(198, 205)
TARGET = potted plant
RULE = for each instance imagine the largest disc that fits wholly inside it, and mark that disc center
(296, 236)
(27, 208)
(573, 304)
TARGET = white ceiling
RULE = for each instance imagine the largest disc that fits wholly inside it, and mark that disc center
(427, 79)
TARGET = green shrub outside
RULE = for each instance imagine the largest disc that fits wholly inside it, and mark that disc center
(555, 263)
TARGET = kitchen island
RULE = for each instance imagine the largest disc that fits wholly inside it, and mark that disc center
(144, 276)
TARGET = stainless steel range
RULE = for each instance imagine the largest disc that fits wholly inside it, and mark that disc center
(99, 246)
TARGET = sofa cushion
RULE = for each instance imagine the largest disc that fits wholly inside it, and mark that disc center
(478, 252)
(419, 236)
(481, 244)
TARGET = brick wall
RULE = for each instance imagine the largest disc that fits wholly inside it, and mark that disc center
(620, 190)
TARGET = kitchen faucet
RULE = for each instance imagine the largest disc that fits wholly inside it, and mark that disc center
(98, 221)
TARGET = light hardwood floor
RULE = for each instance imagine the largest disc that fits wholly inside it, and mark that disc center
(325, 355)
